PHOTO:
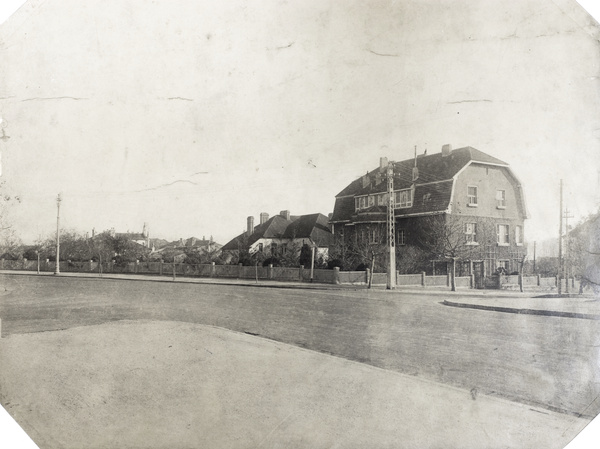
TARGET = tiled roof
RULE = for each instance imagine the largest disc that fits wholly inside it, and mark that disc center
(314, 226)
(131, 235)
(433, 187)
(432, 168)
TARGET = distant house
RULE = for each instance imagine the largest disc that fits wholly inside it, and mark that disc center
(181, 250)
(141, 238)
(282, 233)
(465, 184)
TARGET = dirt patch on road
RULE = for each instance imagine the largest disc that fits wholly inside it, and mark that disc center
(179, 385)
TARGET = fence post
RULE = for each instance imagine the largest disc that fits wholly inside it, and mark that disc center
(538, 280)
(301, 272)
(448, 280)
(471, 281)
(520, 278)
(2, 264)
(556, 281)
(137, 263)
(367, 272)
(270, 271)
(336, 275)
(213, 270)
(423, 283)
(239, 270)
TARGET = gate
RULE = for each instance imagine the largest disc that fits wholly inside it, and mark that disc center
(479, 275)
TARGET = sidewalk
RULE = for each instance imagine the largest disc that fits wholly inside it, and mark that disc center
(528, 302)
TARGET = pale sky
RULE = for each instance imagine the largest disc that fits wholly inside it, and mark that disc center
(265, 106)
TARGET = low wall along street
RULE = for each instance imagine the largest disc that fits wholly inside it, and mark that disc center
(300, 274)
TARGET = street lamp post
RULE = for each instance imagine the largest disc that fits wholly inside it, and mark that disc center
(58, 200)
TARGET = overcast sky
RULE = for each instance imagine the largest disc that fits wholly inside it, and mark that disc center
(190, 116)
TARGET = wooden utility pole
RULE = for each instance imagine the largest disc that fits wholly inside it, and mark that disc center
(58, 200)
(560, 233)
(566, 262)
(312, 262)
(391, 230)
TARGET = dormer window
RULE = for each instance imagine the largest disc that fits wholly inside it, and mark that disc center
(472, 196)
(403, 198)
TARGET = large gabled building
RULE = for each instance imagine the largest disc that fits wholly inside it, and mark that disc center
(467, 183)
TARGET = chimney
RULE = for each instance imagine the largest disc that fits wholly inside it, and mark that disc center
(285, 214)
(250, 228)
(446, 149)
(263, 217)
(383, 163)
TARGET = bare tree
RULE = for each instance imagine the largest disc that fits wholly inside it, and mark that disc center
(454, 238)
(9, 240)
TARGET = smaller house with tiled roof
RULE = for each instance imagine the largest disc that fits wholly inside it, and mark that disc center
(466, 183)
(281, 233)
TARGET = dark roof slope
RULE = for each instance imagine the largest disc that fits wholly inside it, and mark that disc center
(314, 226)
(433, 186)
(432, 168)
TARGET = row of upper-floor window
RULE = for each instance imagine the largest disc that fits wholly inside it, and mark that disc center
(473, 197)
(402, 199)
(375, 235)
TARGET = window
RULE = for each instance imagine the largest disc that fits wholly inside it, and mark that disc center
(519, 235)
(472, 196)
(403, 198)
(426, 198)
(371, 200)
(260, 247)
(503, 235)
(501, 199)
(361, 202)
(503, 266)
(401, 237)
(471, 233)
(373, 235)
(273, 249)
(382, 199)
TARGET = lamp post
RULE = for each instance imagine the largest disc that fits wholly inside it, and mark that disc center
(58, 200)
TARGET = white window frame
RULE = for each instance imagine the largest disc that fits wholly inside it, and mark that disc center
(503, 263)
(471, 234)
(504, 238)
(361, 202)
(501, 199)
(519, 235)
(403, 199)
(472, 199)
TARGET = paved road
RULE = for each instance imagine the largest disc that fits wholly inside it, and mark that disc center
(546, 361)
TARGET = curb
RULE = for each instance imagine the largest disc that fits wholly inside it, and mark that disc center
(191, 281)
(555, 313)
